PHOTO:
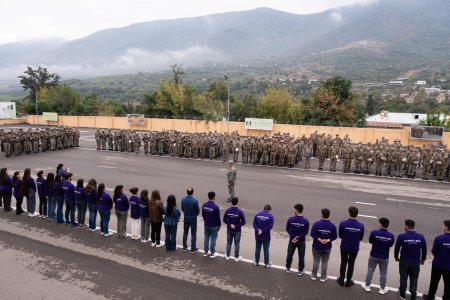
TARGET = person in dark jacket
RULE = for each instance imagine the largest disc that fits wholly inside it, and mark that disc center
(29, 192)
(48, 193)
(145, 219)
(17, 184)
(211, 217)
(104, 205)
(234, 218)
(263, 223)
(91, 199)
(135, 213)
(121, 206)
(412, 248)
(441, 264)
(40, 182)
(69, 200)
(80, 200)
(297, 227)
(155, 209)
(351, 232)
(382, 241)
(58, 199)
(191, 209)
(5, 189)
(172, 216)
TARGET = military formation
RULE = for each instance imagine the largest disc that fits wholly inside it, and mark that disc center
(19, 141)
(381, 158)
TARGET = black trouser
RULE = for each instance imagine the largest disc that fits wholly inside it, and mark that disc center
(19, 209)
(5, 198)
(155, 234)
(436, 274)
(42, 206)
(347, 258)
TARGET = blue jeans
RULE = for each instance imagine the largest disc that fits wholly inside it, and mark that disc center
(92, 216)
(49, 207)
(59, 209)
(265, 245)
(81, 209)
(171, 237)
(104, 221)
(236, 236)
(211, 233)
(190, 222)
(70, 211)
(411, 271)
(31, 201)
(373, 262)
(300, 246)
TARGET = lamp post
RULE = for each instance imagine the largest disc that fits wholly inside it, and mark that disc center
(228, 104)
(36, 95)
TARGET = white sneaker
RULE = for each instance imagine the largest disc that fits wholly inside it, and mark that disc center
(238, 259)
(31, 215)
(383, 291)
(145, 241)
(314, 278)
(153, 244)
(205, 254)
(35, 214)
(227, 257)
(160, 245)
(288, 270)
(214, 255)
(109, 234)
(365, 287)
(323, 279)
(102, 233)
(256, 263)
(301, 273)
(95, 229)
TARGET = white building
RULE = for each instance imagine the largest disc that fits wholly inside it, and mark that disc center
(395, 83)
(394, 120)
(421, 82)
(432, 90)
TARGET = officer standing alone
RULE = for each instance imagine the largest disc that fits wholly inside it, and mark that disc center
(231, 178)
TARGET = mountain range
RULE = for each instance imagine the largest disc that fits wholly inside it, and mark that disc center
(369, 41)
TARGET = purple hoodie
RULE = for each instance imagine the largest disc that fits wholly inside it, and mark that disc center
(323, 229)
(264, 221)
(234, 216)
(211, 214)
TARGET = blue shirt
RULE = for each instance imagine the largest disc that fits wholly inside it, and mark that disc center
(234, 216)
(323, 229)
(91, 197)
(104, 203)
(144, 209)
(18, 188)
(174, 218)
(40, 182)
(441, 252)
(57, 190)
(381, 240)
(121, 203)
(211, 214)
(6, 185)
(263, 221)
(69, 191)
(190, 207)
(80, 195)
(134, 207)
(412, 247)
(297, 227)
(351, 232)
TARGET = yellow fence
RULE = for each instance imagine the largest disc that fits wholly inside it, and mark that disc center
(364, 135)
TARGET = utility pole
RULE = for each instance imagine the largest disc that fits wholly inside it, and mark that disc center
(228, 103)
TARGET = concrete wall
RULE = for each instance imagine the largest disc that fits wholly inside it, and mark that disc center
(364, 135)
(12, 121)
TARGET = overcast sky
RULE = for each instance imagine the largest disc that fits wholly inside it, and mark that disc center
(70, 19)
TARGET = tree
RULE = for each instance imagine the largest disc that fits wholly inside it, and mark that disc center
(37, 79)
(279, 104)
(370, 106)
(441, 119)
(177, 70)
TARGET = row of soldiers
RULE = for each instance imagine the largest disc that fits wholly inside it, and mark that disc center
(18, 141)
(388, 159)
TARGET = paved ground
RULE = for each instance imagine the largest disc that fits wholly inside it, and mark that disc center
(426, 202)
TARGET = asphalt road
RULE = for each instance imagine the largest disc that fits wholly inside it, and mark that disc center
(397, 199)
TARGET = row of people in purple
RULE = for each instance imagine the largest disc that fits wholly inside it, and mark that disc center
(57, 192)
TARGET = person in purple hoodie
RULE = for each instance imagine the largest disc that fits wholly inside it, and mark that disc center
(17, 184)
(5, 189)
(104, 205)
(58, 199)
(40, 182)
(48, 194)
(351, 232)
(135, 213)
(263, 223)
(382, 241)
(441, 264)
(121, 206)
(297, 227)
(69, 199)
(234, 218)
(80, 200)
(412, 248)
(323, 233)
(91, 199)
(29, 192)
(211, 218)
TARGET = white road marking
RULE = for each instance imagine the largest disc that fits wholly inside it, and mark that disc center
(366, 216)
(109, 162)
(107, 167)
(436, 204)
(366, 203)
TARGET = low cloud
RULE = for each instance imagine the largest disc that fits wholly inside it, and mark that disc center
(132, 60)
(336, 16)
